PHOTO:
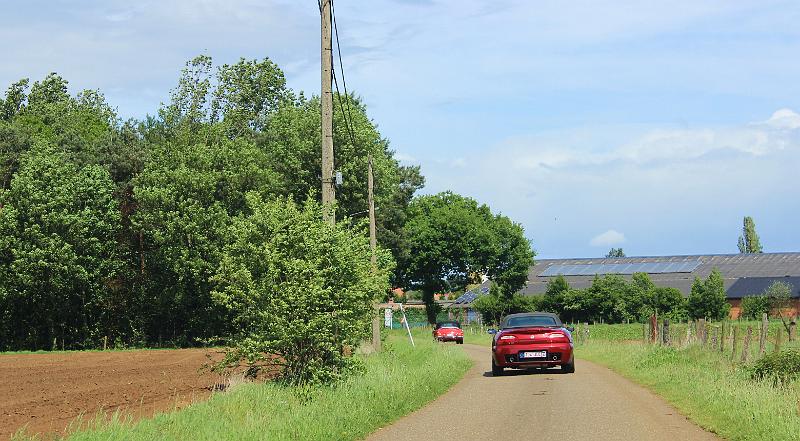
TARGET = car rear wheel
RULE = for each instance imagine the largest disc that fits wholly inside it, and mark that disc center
(496, 370)
(568, 368)
(461, 342)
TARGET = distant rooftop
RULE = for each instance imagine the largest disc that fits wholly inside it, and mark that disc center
(675, 271)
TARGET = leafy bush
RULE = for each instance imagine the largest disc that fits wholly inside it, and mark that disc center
(493, 307)
(781, 367)
(707, 299)
(300, 291)
(754, 306)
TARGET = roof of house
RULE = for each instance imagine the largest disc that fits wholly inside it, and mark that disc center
(674, 271)
(753, 286)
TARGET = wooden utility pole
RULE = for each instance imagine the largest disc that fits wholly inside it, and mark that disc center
(373, 241)
(326, 97)
(373, 244)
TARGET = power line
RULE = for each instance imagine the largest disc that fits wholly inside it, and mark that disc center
(347, 124)
(344, 81)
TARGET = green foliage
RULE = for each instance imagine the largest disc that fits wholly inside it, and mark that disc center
(492, 307)
(299, 290)
(166, 191)
(453, 241)
(58, 253)
(779, 367)
(753, 307)
(749, 241)
(707, 298)
(616, 252)
(774, 300)
(612, 299)
(671, 303)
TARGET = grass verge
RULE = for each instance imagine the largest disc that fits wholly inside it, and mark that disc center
(706, 387)
(397, 381)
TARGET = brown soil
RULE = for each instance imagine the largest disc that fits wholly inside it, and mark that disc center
(44, 393)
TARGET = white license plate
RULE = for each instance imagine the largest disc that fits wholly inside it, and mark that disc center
(534, 354)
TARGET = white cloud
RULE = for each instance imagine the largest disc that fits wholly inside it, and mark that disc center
(784, 119)
(402, 157)
(609, 238)
(661, 145)
(670, 190)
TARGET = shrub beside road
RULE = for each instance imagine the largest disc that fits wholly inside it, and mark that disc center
(395, 382)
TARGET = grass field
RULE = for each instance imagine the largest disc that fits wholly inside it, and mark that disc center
(705, 386)
(397, 381)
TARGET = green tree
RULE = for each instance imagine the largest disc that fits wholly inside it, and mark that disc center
(748, 241)
(553, 298)
(616, 252)
(299, 290)
(453, 241)
(493, 306)
(669, 302)
(247, 95)
(754, 306)
(58, 253)
(186, 195)
(707, 299)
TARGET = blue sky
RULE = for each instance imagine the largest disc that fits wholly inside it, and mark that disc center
(652, 126)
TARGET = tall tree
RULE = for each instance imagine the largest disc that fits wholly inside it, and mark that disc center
(748, 241)
(58, 253)
(616, 252)
(454, 241)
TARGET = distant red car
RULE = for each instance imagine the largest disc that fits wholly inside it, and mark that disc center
(448, 331)
(532, 340)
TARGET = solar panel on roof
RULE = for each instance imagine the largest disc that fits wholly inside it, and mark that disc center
(621, 268)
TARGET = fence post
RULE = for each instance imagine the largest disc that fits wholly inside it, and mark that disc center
(746, 344)
(665, 333)
(714, 338)
(653, 329)
(792, 331)
(688, 333)
(733, 343)
(701, 331)
(762, 338)
(644, 332)
(586, 333)
(722, 337)
(778, 341)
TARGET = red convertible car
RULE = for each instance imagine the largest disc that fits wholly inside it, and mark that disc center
(532, 340)
(448, 331)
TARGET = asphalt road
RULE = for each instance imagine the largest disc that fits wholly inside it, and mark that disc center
(594, 403)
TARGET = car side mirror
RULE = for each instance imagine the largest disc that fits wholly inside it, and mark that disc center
(570, 329)
(492, 331)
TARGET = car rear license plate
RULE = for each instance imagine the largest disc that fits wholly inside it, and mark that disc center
(533, 354)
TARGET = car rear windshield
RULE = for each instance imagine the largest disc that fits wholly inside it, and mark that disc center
(530, 320)
(447, 325)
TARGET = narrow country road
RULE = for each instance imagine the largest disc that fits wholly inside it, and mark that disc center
(592, 404)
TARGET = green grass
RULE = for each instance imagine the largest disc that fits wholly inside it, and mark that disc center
(706, 387)
(395, 382)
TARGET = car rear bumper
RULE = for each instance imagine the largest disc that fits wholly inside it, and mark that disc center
(508, 356)
(450, 338)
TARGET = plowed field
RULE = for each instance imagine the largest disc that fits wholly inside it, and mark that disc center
(45, 392)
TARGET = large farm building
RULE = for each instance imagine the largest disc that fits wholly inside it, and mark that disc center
(744, 274)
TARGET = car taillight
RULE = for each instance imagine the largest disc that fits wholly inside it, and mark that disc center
(559, 337)
(506, 339)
